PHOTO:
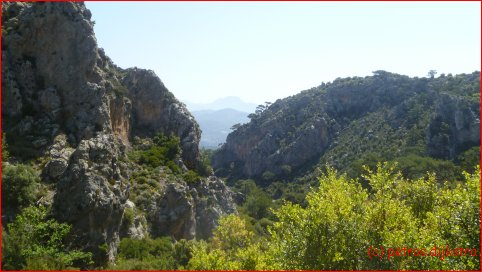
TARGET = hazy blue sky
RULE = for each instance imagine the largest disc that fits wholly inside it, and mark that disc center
(261, 51)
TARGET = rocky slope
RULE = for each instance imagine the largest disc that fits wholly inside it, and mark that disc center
(64, 101)
(340, 122)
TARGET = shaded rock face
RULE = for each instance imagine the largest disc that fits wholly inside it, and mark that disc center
(50, 70)
(54, 71)
(190, 212)
(120, 116)
(297, 131)
(454, 128)
(50, 55)
(91, 194)
(155, 109)
(67, 101)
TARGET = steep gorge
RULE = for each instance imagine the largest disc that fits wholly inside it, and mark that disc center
(66, 103)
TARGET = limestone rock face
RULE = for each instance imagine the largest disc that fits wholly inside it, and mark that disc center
(135, 228)
(53, 69)
(51, 54)
(189, 212)
(454, 126)
(60, 154)
(155, 109)
(91, 194)
(297, 132)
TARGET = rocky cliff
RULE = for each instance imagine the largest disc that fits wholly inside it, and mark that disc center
(340, 122)
(66, 102)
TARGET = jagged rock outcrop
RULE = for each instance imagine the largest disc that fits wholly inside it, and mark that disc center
(155, 109)
(299, 131)
(50, 55)
(91, 194)
(54, 70)
(64, 100)
(191, 211)
(454, 127)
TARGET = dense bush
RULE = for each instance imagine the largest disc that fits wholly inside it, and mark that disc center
(233, 247)
(35, 242)
(469, 159)
(5, 154)
(163, 152)
(414, 167)
(145, 254)
(191, 177)
(19, 184)
(205, 169)
(258, 204)
(342, 221)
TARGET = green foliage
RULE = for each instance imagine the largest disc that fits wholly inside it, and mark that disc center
(205, 168)
(263, 225)
(342, 220)
(183, 252)
(145, 254)
(5, 154)
(268, 176)
(19, 184)
(162, 153)
(258, 204)
(469, 159)
(233, 248)
(33, 242)
(172, 145)
(154, 156)
(414, 167)
(325, 235)
(191, 177)
(128, 218)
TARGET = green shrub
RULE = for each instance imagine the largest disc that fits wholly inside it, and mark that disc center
(153, 183)
(268, 176)
(414, 167)
(5, 154)
(163, 152)
(286, 169)
(191, 177)
(257, 204)
(19, 184)
(154, 157)
(262, 226)
(33, 241)
(183, 252)
(174, 167)
(469, 159)
(134, 249)
(172, 145)
(145, 254)
(128, 218)
(205, 169)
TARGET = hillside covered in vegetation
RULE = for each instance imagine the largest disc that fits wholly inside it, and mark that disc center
(425, 124)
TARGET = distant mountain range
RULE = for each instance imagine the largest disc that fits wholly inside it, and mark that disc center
(217, 118)
(229, 102)
(216, 125)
